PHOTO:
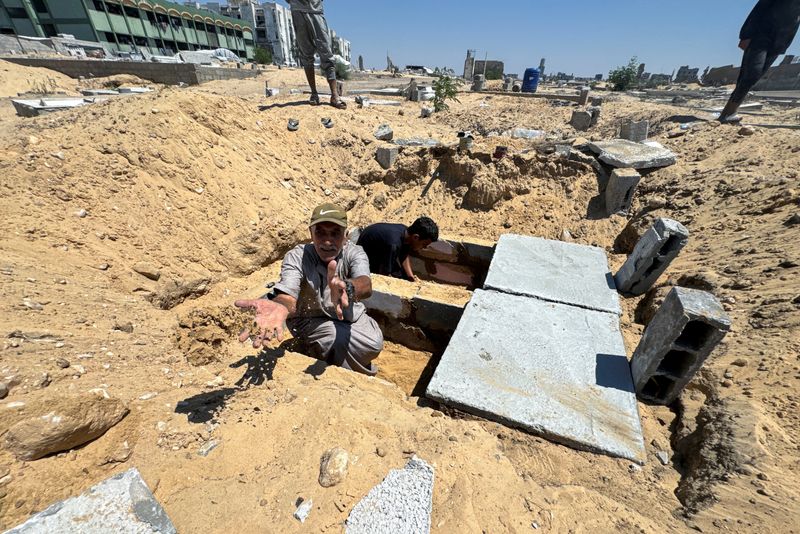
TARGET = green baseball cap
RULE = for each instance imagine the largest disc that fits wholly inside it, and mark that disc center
(329, 213)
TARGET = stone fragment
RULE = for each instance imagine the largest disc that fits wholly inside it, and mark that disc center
(635, 131)
(122, 504)
(682, 334)
(622, 153)
(620, 190)
(208, 446)
(126, 327)
(554, 271)
(746, 131)
(583, 98)
(401, 504)
(581, 120)
(3, 390)
(384, 133)
(62, 363)
(426, 112)
(333, 467)
(148, 270)
(652, 255)
(663, 457)
(68, 423)
(386, 156)
(302, 511)
(552, 369)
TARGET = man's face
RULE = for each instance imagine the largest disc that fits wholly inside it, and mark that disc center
(328, 239)
(418, 243)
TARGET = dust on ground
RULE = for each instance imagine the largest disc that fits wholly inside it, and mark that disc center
(208, 188)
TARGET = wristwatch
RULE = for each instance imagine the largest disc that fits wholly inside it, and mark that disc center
(351, 291)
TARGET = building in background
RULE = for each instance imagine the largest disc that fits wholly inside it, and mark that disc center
(340, 46)
(154, 26)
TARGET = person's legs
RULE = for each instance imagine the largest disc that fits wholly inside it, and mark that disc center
(349, 345)
(755, 63)
(304, 33)
(322, 45)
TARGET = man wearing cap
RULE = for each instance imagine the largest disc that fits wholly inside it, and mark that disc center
(319, 298)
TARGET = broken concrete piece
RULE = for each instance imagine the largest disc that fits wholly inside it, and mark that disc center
(651, 256)
(581, 120)
(148, 270)
(635, 131)
(333, 467)
(68, 423)
(384, 133)
(682, 334)
(301, 514)
(552, 369)
(620, 190)
(583, 98)
(386, 156)
(401, 504)
(417, 141)
(554, 271)
(121, 504)
(622, 153)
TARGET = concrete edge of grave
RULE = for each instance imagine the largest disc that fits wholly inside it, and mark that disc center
(143, 505)
(639, 457)
(421, 311)
(665, 159)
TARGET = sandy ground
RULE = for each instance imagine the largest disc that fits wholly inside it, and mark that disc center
(207, 185)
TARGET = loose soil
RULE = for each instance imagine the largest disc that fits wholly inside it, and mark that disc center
(207, 185)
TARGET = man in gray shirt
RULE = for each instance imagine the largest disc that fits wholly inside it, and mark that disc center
(319, 298)
(311, 30)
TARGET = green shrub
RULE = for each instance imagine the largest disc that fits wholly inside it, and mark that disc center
(444, 89)
(262, 56)
(623, 78)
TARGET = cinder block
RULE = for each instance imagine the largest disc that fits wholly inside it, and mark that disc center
(680, 337)
(620, 190)
(581, 120)
(584, 96)
(386, 156)
(651, 256)
(635, 131)
(437, 316)
(555, 370)
(389, 304)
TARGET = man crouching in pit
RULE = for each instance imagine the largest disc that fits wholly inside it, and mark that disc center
(319, 298)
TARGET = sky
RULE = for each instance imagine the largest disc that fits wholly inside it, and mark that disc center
(580, 37)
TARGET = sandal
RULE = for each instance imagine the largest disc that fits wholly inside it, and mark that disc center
(293, 125)
(327, 122)
(339, 104)
(314, 100)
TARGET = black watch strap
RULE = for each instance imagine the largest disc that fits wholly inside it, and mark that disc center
(351, 291)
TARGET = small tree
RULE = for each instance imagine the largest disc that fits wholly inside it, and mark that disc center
(444, 89)
(623, 78)
(262, 56)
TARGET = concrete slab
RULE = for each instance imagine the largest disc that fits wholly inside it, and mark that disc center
(120, 504)
(555, 271)
(622, 153)
(552, 369)
(401, 504)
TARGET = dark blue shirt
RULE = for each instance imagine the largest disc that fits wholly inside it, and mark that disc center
(385, 248)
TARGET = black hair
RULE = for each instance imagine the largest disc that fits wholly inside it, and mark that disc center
(425, 228)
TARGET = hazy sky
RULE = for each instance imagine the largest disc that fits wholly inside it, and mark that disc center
(576, 36)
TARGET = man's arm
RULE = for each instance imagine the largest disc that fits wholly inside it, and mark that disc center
(363, 287)
(407, 269)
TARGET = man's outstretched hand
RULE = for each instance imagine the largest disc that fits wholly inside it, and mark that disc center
(338, 290)
(269, 321)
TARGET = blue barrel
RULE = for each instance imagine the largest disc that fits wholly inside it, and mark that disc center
(530, 83)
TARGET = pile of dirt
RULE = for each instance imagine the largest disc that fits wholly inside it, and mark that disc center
(210, 190)
(16, 79)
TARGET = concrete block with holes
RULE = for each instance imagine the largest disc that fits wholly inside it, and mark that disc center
(680, 337)
(652, 255)
(620, 190)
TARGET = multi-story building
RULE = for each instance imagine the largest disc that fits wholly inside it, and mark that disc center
(156, 26)
(340, 46)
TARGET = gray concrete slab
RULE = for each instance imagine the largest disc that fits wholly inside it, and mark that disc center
(553, 270)
(401, 504)
(555, 370)
(120, 504)
(622, 153)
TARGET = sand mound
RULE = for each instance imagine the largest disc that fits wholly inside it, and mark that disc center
(16, 79)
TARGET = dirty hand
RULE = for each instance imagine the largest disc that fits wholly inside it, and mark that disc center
(268, 324)
(338, 290)
(744, 43)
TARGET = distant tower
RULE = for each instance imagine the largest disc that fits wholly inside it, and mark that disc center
(641, 70)
(469, 65)
(541, 68)
(361, 63)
